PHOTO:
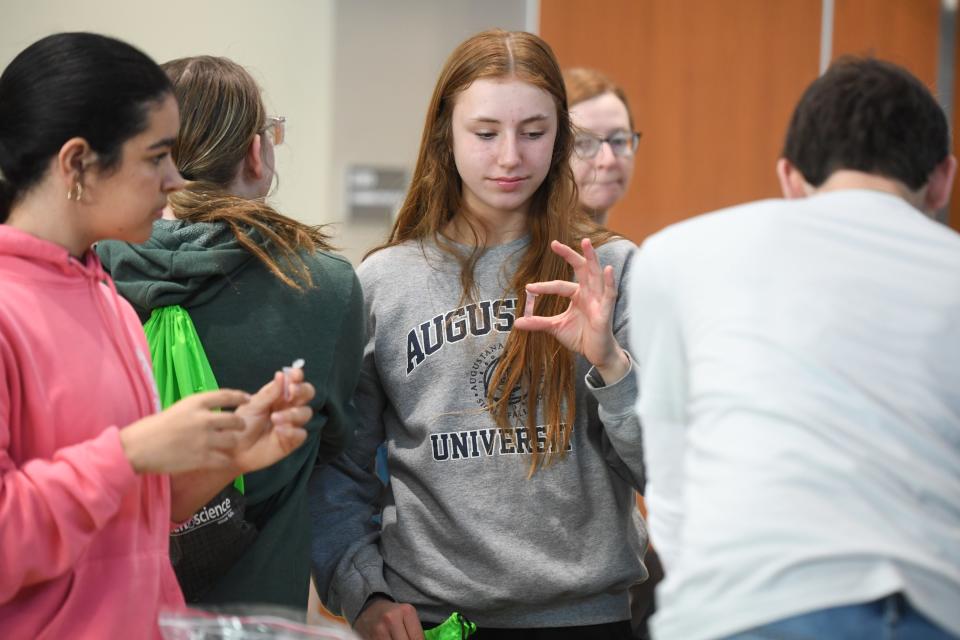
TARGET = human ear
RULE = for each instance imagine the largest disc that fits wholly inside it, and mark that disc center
(939, 185)
(792, 183)
(253, 162)
(73, 159)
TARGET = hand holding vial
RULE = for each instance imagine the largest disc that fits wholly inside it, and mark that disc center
(586, 326)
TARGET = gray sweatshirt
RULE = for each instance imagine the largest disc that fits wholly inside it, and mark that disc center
(462, 527)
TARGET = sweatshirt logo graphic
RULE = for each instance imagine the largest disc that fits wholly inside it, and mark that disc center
(475, 319)
(477, 443)
(480, 379)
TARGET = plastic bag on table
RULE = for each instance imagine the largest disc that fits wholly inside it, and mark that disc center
(248, 623)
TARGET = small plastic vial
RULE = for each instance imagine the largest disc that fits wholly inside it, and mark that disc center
(528, 308)
(297, 364)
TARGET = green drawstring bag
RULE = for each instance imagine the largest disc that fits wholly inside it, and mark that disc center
(180, 364)
(205, 547)
(456, 627)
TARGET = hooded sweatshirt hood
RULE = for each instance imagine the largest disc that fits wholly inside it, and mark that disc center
(44, 260)
(34, 260)
(182, 263)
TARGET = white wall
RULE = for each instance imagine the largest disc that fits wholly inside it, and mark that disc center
(287, 46)
(353, 77)
(387, 59)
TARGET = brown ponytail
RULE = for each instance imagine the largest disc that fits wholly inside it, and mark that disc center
(221, 111)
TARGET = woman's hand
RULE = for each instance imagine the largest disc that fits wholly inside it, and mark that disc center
(270, 428)
(191, 434)
(274, 426)
(586, 326)
(194, 435)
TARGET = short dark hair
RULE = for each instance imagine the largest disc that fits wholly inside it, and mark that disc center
(71, 85)
(867, 115)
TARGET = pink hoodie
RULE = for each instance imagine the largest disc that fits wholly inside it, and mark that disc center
(83, 539)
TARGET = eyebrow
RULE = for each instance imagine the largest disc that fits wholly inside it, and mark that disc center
(166, 142)
(536, 118)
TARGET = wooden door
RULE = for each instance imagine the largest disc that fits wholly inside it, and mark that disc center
(712, 84)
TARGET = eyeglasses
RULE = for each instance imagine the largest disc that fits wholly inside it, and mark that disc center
(277, 128)
(622, 143)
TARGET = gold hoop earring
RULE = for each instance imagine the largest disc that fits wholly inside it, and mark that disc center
(76, 191)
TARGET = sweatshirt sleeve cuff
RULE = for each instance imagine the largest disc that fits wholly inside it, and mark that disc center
(356, 588)
(105, 453)
(615, 399)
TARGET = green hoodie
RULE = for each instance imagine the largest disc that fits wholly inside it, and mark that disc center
(251, 325)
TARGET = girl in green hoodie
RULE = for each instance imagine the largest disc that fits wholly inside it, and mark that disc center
(262, 290)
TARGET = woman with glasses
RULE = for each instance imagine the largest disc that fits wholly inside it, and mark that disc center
(495, 374)
(605, 142)
(262, 290)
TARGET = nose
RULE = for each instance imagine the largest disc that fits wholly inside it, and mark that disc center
(509, 152)
(605, 156)
(173, 181)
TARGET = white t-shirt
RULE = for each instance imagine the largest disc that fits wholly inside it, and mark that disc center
(800, 402)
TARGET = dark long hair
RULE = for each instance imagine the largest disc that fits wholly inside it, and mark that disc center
(71, 85)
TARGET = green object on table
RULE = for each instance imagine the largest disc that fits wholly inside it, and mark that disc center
(456, 627)
(180, 364)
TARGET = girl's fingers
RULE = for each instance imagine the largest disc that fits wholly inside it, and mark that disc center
(219, 460)
(221, 399)
(412, 627)
(593, 281)
(296, 416)
(555, 287)
(302, 393)
(291, 437)
(586, 266)
(222, 440)
(610, 289)
(225, 421)
(534, 323)
(593, 268)
(572, 258)
(294, 374)
(588, 252)
(269, 393)
(297, 391)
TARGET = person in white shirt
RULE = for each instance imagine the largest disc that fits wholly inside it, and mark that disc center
(800, 383)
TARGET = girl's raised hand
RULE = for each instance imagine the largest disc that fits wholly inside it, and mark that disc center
(586, 326)
(191, 434)
(274, 421)
(194, 434)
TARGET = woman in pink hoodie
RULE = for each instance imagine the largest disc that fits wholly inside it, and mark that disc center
(90, 475)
